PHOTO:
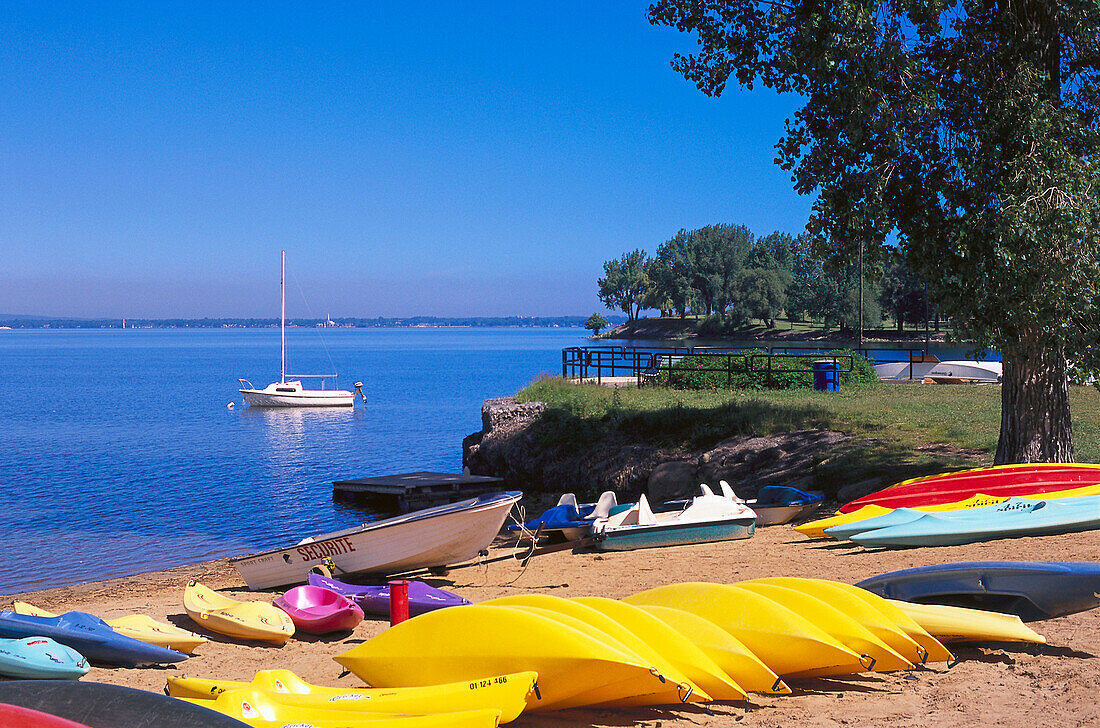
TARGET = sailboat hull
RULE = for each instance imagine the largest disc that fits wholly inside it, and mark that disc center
(301, 398)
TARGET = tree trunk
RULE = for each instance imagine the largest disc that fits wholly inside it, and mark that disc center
(1035, 419)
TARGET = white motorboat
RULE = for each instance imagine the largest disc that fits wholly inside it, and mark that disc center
(433, 537)
(982, 372)
(707, 518)
(290, 392)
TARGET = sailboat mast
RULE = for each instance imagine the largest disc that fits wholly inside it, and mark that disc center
(282, 321)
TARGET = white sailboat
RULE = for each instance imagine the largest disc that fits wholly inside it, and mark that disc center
(288, 391)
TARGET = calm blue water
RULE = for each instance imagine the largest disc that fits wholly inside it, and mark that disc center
(119, 454)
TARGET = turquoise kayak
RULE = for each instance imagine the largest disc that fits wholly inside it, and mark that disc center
(40, 658)
(901, 516)
(1012, 519)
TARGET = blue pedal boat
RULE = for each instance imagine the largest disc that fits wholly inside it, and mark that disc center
(90, 636)
(571, 520)
(1030, 590)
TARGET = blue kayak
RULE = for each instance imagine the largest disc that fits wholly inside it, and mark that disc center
(40, 658)
(1031, 591)
(1015, 518)
(90, 636)
(776, 504)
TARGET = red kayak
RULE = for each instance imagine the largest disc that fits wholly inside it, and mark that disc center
(13, 716)
(999, 480)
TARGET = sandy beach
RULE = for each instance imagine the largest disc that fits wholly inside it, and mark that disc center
(1005, 685)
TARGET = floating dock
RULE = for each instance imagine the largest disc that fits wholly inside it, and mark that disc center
(412, 491)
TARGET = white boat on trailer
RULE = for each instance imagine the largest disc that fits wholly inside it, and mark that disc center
(433, 537)
(288, 391)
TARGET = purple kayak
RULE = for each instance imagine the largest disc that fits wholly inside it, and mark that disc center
(318, 610)
(376, 599)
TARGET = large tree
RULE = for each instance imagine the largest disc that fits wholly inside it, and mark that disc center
(624, 284)
(971, 129)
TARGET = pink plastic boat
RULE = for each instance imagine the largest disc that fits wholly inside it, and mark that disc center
(317, 610)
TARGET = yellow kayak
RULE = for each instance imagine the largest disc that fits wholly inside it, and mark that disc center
(266, 710)
(879, 657)
(931, 649)
(958, 624)
(727, 651)
(241, 620)
(478, 641)
(787, 643)
(673, 645)
(858, 609)
(507, 693)
(816, 529)
(139, 626)
(604, 628)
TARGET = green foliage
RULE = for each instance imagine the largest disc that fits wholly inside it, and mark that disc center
(625, 283)
(754, 371)
(902, 294)
(595, 323)
(759, 293)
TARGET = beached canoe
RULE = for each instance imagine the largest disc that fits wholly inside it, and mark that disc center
(13, 716)
(318, 610)
(241, 620)
(999, 480)
(98, 705)
(1031, 591)
(140, 627)
(574, 668)
(507, 693)
(90, 636)
(40, 658)
(788, 643)
(1015, 518)
(707, 519)
(376, 599)
(434, 537)
(959, 624)
(267, 710)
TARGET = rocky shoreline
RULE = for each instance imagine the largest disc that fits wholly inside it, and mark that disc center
(509, 446)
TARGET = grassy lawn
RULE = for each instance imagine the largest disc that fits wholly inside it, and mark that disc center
(906, 422)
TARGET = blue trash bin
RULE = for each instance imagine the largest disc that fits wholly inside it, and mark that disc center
(826, 377)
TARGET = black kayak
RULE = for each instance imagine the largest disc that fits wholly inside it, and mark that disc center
(1030, 590)
(98, 705)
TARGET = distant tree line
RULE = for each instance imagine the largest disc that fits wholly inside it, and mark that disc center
(34, 322)
(733, 277)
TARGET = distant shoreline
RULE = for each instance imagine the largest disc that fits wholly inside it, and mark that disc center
(33, 322)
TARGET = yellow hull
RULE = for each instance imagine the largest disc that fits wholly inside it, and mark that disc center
(958, 624)
(266, 710)
(603, 628)
(874, 620)
(507, 693)
(672, 645)
(786, 642)
(140, 627)
(478, 641)
(878, 656)
(242, 620)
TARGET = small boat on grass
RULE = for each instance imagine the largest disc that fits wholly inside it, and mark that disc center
(1030, 590)
(707, 518)
(90, 636)
(40, 658)
(318, 610)
(240, 620)
(376, 599)
(571, 520)
(140, 627)
(1015, 518)
(433, 537)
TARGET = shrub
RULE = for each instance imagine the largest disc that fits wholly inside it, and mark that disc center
(752, 370)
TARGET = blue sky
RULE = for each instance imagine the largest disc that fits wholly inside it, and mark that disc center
(440, 159)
